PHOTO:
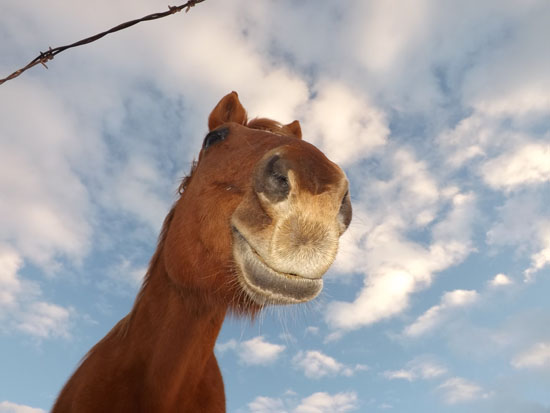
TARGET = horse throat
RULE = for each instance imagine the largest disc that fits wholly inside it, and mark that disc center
(174, 330)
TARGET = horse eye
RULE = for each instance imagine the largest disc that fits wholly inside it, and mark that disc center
(214, 137)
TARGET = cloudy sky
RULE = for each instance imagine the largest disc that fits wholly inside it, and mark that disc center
(438, 111)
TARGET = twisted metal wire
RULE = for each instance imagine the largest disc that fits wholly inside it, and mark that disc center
(48, 55)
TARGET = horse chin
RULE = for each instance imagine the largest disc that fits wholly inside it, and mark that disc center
(263, 284)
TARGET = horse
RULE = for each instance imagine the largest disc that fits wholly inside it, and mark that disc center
(257, 223)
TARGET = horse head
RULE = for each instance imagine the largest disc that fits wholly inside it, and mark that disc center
(260, 216)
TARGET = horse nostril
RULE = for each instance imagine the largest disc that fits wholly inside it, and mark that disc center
(272, 179)
(279, 181)
(345, 212)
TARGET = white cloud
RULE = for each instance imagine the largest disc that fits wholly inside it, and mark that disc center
(259, 351)
(316, 365)
(537, 356)
(326, 403)
(458, 390)
(343, 125)
(313, 330)
(524, 222)
(500, 280)
(439, 55)
(430, 370)
(21, 305)
(228, 345)
(135, 190)
(45, 320)
(262, 404)
(123, 278)
(9, 407)
(517, 86)
(255, 351)
(541, 259)
(381, 298)
(527, 165)
(394, 266)
(468, 140)
(521, 101)
(44, 211)
(320, 402)
(198, 74)
(400, 374)
(79, 143)
(387, 33)
(394, 58)
(10, 284)
(419, 368)
(435, 315)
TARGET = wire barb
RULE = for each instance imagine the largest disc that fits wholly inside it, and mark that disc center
(44, 57)
(191, 3)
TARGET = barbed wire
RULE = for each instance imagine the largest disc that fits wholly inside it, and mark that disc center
(44, 57)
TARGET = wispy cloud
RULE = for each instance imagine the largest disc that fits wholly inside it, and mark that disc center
(459, 390)
(535, 357)
(231, 344)
(42, 219)
(524, 222)
(326, 403)
(435, 315)
(500, 280)
(401, 374)
(316, 365)
(527, 165)
(396, 265)
(338, 115)
(9, 407)
(22, 305)
(540, 259)
(256, 351)
(319, 402)
(259, 351)
(45, 320)
(419, 368)
(263, 404)
(123, 277)
(441, 125)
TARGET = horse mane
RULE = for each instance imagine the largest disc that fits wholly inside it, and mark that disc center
(121, 328)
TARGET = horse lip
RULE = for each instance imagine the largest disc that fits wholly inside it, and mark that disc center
(259, 257)
(266, 285)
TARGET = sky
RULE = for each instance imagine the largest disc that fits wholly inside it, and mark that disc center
(438, 111)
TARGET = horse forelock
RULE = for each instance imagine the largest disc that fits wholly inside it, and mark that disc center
(270, 125)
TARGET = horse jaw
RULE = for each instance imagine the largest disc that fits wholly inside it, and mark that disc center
(263, 284)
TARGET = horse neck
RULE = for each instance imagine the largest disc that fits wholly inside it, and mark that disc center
(173, 330)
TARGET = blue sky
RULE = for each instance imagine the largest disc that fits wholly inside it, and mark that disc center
(437, 111)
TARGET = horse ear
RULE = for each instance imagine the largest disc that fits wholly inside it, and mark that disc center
(229, 109)
(295, 129)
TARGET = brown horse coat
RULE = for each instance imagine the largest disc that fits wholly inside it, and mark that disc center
(257, 223)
